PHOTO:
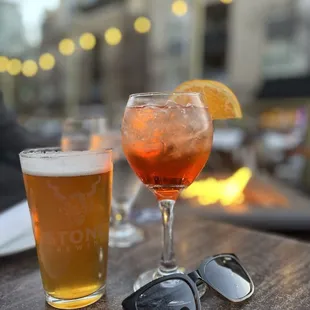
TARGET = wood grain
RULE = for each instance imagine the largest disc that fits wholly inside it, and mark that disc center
(279, 266)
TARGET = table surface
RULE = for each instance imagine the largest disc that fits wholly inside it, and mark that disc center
(279, 266)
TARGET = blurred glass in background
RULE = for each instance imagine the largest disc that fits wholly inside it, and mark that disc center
(62, 58)
(92, 133)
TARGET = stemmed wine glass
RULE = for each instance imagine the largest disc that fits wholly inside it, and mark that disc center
(126, 186)
(167, 139)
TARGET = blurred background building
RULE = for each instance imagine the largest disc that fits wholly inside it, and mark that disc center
(60, 58)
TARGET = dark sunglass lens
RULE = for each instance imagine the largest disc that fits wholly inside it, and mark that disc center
(227, 276)
(170, 294)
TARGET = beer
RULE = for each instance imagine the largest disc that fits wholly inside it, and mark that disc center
(69, 196)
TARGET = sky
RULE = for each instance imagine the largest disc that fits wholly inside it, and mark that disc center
(32, 12)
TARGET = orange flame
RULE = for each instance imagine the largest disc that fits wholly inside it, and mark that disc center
(226, 192)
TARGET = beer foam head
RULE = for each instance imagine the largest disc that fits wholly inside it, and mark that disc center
(54, 162)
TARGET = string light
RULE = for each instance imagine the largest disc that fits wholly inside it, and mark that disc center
(66, 47)
(87, 41)
(14, 66)
(142, 24)
(47, 61)
(4, 61)
(29, 68)
(179, 8)
(113, 36)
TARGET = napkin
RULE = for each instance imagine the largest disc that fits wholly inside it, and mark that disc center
(15, 223)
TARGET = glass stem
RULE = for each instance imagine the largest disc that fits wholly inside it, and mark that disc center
(168, 262)
(120, 215)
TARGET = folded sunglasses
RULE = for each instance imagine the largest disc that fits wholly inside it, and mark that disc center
(223, 273)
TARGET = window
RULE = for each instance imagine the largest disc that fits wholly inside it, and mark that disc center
(215, 45)
(287, 49)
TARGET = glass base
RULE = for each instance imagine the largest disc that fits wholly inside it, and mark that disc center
(125, 236)
(75, 303)
(151, 275)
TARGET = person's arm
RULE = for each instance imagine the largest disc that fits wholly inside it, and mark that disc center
(12, 188)
(14, 138)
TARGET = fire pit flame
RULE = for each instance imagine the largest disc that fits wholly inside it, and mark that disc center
(226, 192)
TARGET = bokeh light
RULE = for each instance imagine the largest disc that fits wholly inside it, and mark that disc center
(113, 36)
(29, 68)
(14, 66)
(226, 1)
(4, 61)
(142, 24)
(66, 47)
(179, 8)
(47, 61)
(87, 41)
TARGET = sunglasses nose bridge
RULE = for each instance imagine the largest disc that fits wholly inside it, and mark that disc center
(200, 283)
(195, 276)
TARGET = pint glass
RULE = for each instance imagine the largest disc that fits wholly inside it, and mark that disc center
(69, 197)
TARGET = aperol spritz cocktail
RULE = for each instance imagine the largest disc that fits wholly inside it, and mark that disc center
(167, 140)
(167, 145)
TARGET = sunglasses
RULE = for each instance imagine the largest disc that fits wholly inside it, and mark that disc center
(223, 273)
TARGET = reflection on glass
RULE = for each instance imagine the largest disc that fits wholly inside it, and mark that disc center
(167, 295)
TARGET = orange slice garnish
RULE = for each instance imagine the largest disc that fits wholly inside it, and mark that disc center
(222, 103)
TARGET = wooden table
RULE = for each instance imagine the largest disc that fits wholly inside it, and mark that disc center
(279, 266)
